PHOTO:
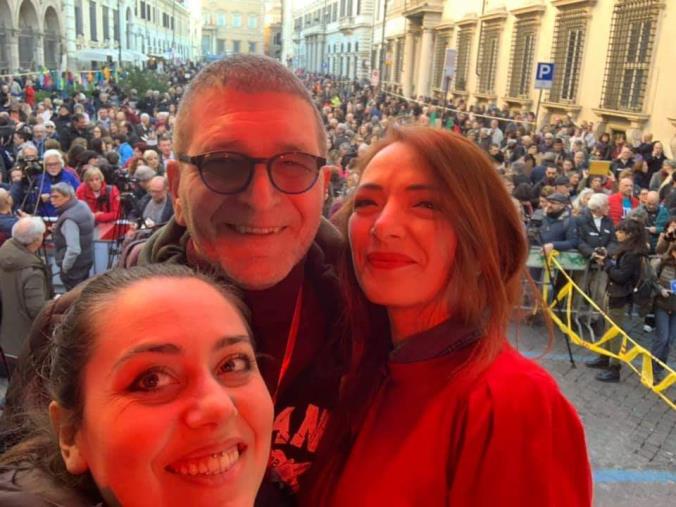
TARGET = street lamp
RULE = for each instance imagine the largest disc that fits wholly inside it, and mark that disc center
(381, 67)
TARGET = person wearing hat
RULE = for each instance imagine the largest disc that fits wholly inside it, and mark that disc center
(558, 229)
(62, 123)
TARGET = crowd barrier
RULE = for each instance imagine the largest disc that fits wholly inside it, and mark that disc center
(565, 302)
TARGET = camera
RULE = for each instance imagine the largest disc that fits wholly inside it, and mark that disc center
(670, 235)
(29, 167)
(600, 251)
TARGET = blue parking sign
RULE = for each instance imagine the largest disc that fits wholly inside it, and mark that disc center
(544, 76)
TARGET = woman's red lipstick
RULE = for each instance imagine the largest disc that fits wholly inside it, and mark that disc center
(388, 260)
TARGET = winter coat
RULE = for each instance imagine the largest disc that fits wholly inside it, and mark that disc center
(666, 273)
(25, 287)
(108, 203)
(623, 273)
(616, 210)
(561, 232)
(590, 237)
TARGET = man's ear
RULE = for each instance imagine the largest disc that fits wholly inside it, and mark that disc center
(173, 174)
(67, 434)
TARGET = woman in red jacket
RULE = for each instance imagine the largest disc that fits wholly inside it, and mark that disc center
(438, 409)
(102, 199)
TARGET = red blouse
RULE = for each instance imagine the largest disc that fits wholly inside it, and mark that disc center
(508, 438)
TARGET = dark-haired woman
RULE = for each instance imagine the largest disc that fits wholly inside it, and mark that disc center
(623, 269)
(438, 408)
(156, 399)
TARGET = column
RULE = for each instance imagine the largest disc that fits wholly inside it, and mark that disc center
(39, 50)
(13, 37)
(407, 74)
(68, 29)
(423, 83)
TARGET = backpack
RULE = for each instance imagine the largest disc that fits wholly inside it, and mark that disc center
(644, 292)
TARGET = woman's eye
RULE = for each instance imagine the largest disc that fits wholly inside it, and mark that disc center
(362, 203)
(151, 381)
(236, 364)
(426, 205)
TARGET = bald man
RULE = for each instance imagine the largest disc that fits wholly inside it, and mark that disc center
(156, 206)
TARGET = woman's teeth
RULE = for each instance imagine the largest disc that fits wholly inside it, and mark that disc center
(208, 465)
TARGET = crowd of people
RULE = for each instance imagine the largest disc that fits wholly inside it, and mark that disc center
(361, 245)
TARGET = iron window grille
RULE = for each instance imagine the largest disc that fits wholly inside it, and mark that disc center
(524, 39)
(443, 41)
(570, 30)
(489, 45)
(464, 46)
(632, 37)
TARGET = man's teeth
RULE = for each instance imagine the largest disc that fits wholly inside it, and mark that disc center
(243, 229)
(208, 465)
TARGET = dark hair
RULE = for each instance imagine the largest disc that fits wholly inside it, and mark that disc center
(637, 241)
(490, 258)
(53, 366)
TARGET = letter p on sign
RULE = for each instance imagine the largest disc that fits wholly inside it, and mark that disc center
(544, 76)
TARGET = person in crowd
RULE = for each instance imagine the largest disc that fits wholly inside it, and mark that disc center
(181, 416)
(655, 159)
(39, 138)
(665, 311)
(623, 201)
(654, 217)
(152, 159)
(25, 282)
(166, 150)
(623, 162)
(7, 217)
(579, 204)
(558, 228)
(73, 235)
(549, 180)
(428, 380)
(663, 176)
(124, 149)
(623, 267)
(604, 147)
(259, 223)
(103, 200)
(155, 206)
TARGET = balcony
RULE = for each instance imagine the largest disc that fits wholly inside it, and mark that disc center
(415, 8)
(346, 25)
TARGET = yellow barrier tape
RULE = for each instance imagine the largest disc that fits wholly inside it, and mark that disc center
(630, 349)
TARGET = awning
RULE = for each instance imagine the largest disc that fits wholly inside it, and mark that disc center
(133, 56)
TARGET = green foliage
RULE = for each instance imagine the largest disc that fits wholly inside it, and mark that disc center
(143, 80)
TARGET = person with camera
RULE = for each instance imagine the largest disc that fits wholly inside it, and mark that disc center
(103, 200)
(38, 181)
(665, 306)
(623, 268)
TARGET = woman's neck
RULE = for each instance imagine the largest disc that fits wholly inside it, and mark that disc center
(410, 320)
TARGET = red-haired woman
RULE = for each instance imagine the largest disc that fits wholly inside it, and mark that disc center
(437, 408)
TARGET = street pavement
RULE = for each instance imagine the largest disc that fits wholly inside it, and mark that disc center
(631, 432)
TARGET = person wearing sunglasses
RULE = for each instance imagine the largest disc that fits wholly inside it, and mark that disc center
(248, 187)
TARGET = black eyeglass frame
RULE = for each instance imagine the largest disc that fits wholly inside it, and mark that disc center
(198, 161)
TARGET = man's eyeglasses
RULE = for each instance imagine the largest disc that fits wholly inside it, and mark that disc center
(226, 172)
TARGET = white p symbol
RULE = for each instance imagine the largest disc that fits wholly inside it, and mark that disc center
(545, 70)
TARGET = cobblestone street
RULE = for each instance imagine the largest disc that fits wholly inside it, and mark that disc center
(631, 431)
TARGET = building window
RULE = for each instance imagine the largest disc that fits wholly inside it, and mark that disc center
(632, 37)
(342, 8)
(443, 41)
(253, 22)
(334, 18)
(464, 45)
(236, 20)
(252, 47)
(236, 46)
(116, 25)
(569, 34)
(399, 62)
(220, 19)
(487, 64)
(79, 29)
(92, 21)
(523, 54)
(349, 9)
(220, 46)
(106, 22)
